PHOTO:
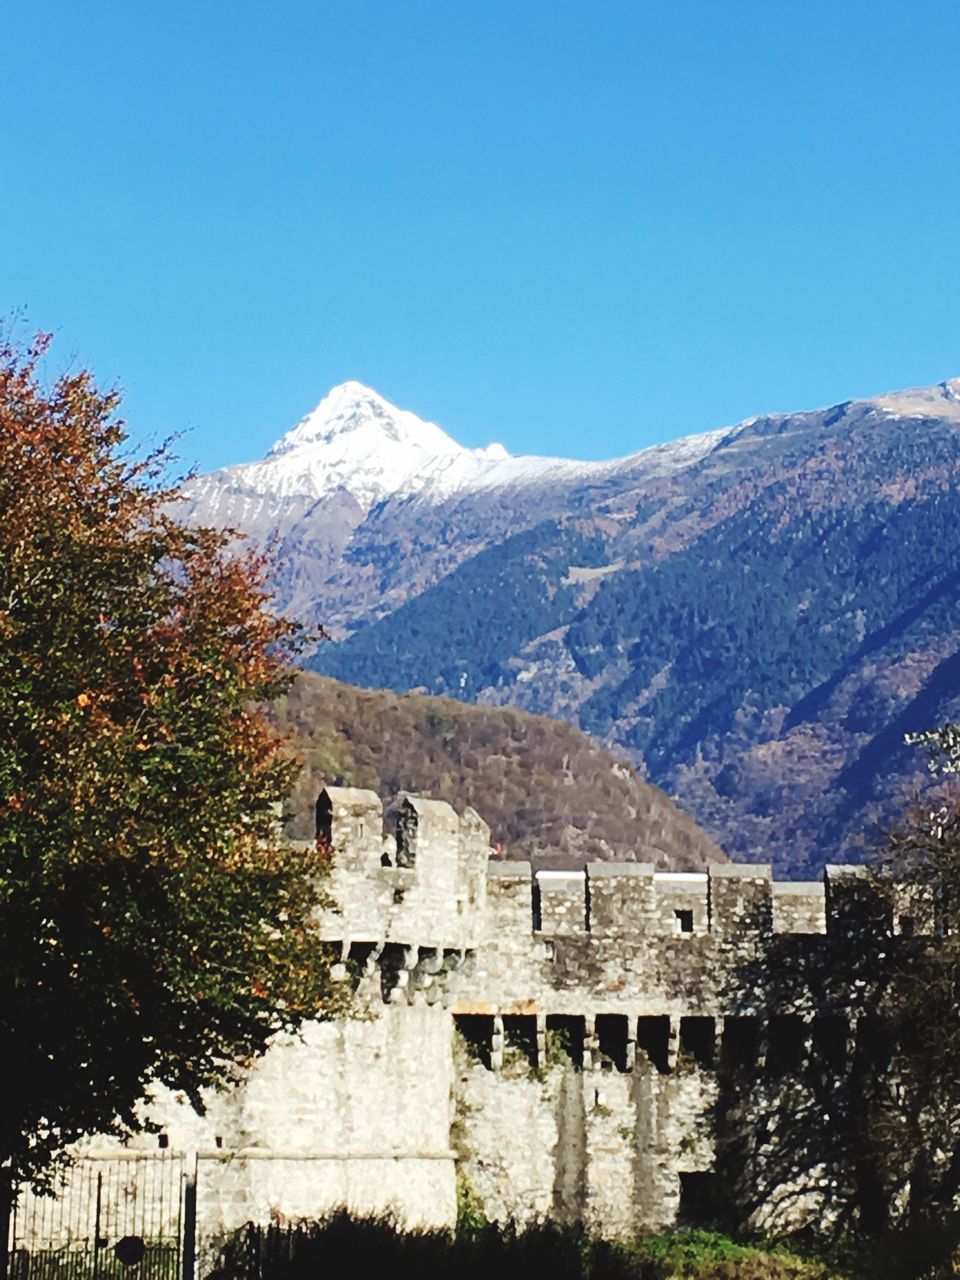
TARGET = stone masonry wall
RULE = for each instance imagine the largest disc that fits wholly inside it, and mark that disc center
(565, 1041)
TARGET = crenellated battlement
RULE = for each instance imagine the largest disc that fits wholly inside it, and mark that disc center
(599, 1045)
(434, 878)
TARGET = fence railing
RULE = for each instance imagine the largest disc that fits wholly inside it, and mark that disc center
(121, 1218)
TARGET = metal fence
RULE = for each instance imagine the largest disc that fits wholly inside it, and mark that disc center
(129, 1218)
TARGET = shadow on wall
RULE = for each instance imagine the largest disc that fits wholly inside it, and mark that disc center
(830, 1115)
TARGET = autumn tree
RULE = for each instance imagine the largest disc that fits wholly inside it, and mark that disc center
(154, 925)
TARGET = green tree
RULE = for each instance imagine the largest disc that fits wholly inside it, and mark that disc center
(915, 1123)
(908, 1130)
(154, 925)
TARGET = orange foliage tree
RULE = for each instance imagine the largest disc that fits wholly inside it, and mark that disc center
(154, 925)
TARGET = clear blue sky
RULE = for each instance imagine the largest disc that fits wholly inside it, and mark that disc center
(574, 227)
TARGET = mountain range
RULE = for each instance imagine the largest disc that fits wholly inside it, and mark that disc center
(752, 617)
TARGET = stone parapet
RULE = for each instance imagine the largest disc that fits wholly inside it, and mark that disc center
(584, 1045)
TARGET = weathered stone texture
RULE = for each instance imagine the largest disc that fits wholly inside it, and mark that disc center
(555, 1037)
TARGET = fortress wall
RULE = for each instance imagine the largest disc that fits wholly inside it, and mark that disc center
(601, 1147)
(352, 1112)
(514, 1177)
(561, 906)
(417, 1192)
(424, 887)
(622, 899)
(430, 889)
(583, 1040)
(741, 904)
(682, 902)
(501, 974)
(852, 905)
(799, 907)
(619, 1148)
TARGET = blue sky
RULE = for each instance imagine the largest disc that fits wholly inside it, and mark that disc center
(577, 228)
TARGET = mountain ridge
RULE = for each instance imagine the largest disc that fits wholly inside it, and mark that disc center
(751, 616)
(350, 409)
(551, 795)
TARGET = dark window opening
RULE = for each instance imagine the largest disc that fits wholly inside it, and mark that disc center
(477, 1032)
(684, 920)
(520, 1038)
(564, 1039)
(741, 1042)
(391, 962)
(701, 1200)
(653, 1039)
(907, 926)
(697, 1040)
(875, 1042)
(537, 905)
(611, 1031)
(385, 860)
(324, 816)
(163, 1141)
(407, 827)
(830, 1042)
(218, 1141)
(358, 959)
(786, 1041)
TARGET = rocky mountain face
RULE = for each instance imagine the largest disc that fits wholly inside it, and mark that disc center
(369, 505)
(752, 617)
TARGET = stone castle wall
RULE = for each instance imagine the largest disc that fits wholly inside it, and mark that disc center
(563, 1041)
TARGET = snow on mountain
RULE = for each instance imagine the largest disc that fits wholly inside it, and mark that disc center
(737, 611)
(359, 448)
(355, 442)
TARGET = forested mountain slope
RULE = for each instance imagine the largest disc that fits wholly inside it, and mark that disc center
(754, 616)
(549, 793)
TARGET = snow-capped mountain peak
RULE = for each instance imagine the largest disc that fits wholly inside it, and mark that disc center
(356, 445)
(366, 418)
(354, 442)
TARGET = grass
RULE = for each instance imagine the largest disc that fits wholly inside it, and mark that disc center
(703, 1255)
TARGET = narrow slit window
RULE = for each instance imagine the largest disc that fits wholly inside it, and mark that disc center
(564, 1039)
(653, 1042)
(520, 1038)
(697, 1040)
(740, 1046)
(611, 1030)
